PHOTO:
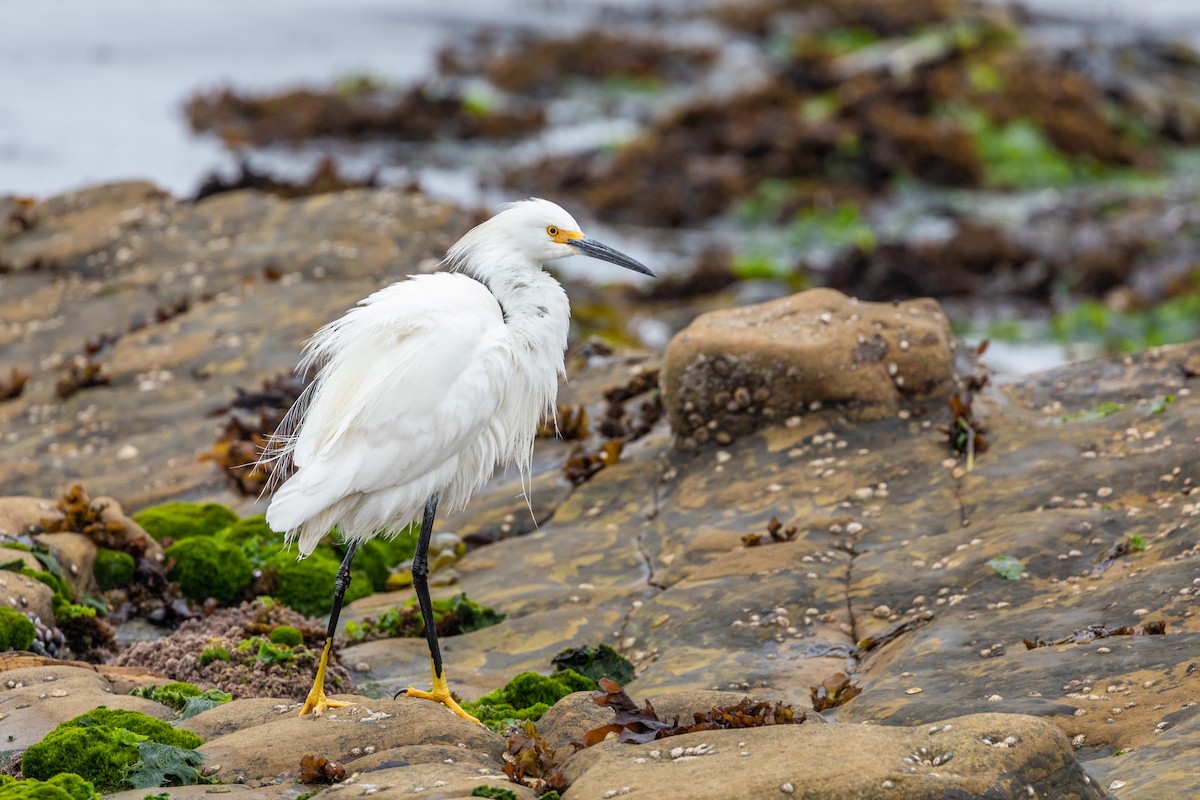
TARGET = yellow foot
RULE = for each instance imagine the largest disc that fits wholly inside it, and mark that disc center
(441, 694)
(317, 703)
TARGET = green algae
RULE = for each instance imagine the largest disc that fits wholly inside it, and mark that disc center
(113, 569)
(527, 697)
(285, 635)
(207, 568)
(596, 662)
(182, 520)
(116, 749)
(187, 699)
(16, 630)
(64, 786)
(215, 653)
(306, 585)
(451, 616)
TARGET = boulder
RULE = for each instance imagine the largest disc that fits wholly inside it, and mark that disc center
(982, 755)
(36, 699)
(735, 370)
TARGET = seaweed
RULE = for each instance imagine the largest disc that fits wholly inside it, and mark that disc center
(636, 725)
(526, 697)
(318, 769)
(596, 662)
(451, 616)
(833, 692)
(13, 387)
(116, 750)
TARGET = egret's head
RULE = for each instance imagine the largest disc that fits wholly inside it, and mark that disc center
(539, 231)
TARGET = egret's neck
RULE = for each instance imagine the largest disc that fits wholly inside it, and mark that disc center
(535, 306)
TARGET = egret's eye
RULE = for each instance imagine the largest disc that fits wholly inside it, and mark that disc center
(553, 231)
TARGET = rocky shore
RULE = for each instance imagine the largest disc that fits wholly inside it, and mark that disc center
(1009, 581)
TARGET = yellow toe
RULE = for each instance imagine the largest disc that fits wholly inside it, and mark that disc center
(317, 704)
(441, 695)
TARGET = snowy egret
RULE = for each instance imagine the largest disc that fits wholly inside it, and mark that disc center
(422, 390)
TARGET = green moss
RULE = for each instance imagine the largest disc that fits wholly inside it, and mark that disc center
(212, 654)
(113, 569)
(185, 698)
(142, 724)
(16, 630)
(595, 663)
(286, 635)
(269, 654)
(307, 585)
(451, 616)
(111, 748)
(527, 697)
(494, 792)
(64, 786)
(57, 585)
(207, 568)
(181, 520)
(32, 790)
(254, 538)
(75, 786)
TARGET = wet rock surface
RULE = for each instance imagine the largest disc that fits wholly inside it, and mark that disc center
(1089, 483)
(180, 304)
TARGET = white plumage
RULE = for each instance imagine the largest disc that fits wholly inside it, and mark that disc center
(421, 391)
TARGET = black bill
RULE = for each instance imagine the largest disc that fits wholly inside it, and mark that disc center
(590, 247)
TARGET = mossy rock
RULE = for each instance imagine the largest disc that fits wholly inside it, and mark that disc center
(306, 585)
(208, 568)
(115, 749)
(64, 786)
(181, 520)
(254, 538)
(113, 569)
(527, 697)
(16, 630)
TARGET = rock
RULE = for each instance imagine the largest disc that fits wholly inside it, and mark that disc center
(247, 278)
(76, 554)
(19, 514)
(1163, 767)
(273, 749)
(235, 715)
(36, 699)
(992, 755)
(429, 770)
(235, 791)
(25, 594)
(732, 371)
(111, 511)
(574, 715)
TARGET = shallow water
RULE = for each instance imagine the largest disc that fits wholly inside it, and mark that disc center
(94, 92)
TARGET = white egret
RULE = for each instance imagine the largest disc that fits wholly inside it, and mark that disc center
(422, 390)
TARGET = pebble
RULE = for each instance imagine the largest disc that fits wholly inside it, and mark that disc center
(787, 788)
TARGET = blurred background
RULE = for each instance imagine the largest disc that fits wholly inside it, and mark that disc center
(1034, 166)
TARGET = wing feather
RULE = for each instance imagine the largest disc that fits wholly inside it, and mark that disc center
(409, 379)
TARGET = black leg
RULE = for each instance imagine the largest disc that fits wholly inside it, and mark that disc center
(339, 590)
(317, 703)
(420, 576)
(420, 572)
